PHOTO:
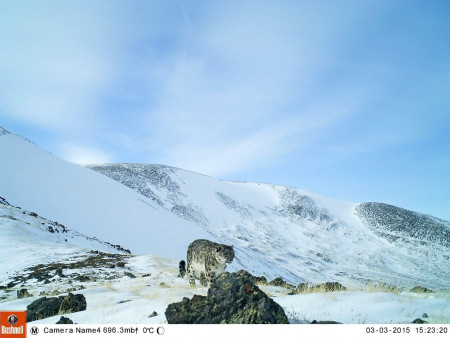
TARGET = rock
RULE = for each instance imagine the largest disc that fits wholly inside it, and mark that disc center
(233, 298)
(331, 286)
(23, 293)
(73, 303)
(418, 321)
(254, 279)
(129, 274)
(425, 315)
(154, 314)
(2, 200)
(64, 320)
(301, 288)
(324, 322)
(421, 289)
(324, 287)
(281, 282)
(42, 308)
(82, 278)
(59, 272)
(47, 307)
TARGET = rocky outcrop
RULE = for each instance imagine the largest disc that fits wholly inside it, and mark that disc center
(399, 225)
(3, 201)
(323, 287)
(47, 307)
(421, 289)
(232, 299)
(419, 321)
(254, 279)
(324, 322)
(64, 320)
(23, 293)
(282, 283)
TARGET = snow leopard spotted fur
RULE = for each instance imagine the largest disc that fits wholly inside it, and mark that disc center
(207, 260)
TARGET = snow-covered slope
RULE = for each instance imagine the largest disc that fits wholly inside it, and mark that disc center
(276, 231)
(282, 231)
(29, 239)
(87, 201)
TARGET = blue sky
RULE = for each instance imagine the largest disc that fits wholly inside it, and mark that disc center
(348, 99)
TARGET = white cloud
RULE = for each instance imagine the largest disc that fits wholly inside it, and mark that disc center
(57, 62)
(84, 155)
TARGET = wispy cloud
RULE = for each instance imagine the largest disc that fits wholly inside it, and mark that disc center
(51, 72)
(84, 155)
(240, 92)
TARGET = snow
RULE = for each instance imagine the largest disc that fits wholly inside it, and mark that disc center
(87, 201)
(359, 307)
(27, 240)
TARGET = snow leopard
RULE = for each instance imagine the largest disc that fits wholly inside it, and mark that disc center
(207, 260)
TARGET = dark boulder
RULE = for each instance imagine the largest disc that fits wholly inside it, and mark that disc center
(324, 322)
(233, 299)
(419, 321)
(23, 293)
(129, 274)
(47, 307)
(42, 308)
(64, 320)
(59, 272)
(73, 303)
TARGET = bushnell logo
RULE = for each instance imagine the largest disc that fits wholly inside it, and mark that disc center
(13, 324)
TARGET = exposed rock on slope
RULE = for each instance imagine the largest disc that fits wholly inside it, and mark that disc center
(401, 225)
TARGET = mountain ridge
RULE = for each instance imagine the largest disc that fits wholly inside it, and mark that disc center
(294, 204)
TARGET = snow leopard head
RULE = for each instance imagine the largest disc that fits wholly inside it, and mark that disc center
(224, 254)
